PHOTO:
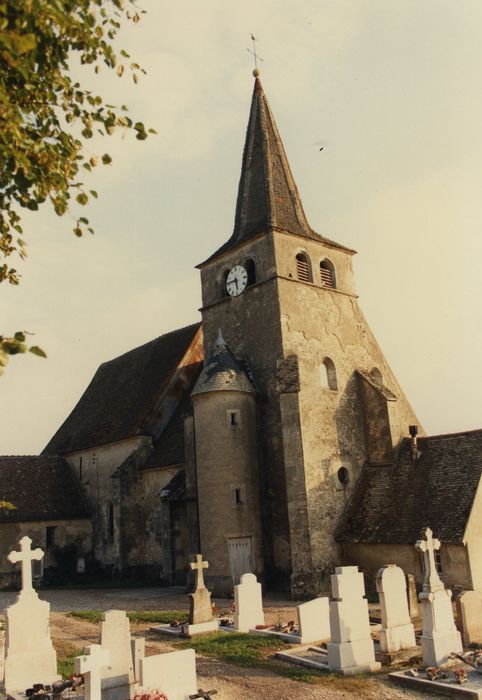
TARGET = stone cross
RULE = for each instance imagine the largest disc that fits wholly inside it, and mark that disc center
(198, 567)
(26, 556)
(94, 659)
(428, 546)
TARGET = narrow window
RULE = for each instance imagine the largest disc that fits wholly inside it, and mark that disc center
(110, 521)
(237, 496)
(438, 562)
(234, 418)
(37, 568)
(80, 468)
(251, 270)
(303, 268)
(327, 274)
(328, 374)
(343, 476)
(50, 536)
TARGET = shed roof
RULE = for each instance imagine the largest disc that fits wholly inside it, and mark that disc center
(40, 488)
(121, 393)
(392, 503)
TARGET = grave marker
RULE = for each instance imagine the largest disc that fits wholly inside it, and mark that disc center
(248, 603)
(397, 631)
(90, 665)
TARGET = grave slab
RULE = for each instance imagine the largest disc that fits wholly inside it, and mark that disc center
(351, 649)
(314, 620)
(397, 631)
(248, 601)
(29, 654)
(173, 673)
(469, 616)
(471, 690)
(439, 635)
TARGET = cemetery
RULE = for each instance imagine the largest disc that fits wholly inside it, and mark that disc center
(391, 645)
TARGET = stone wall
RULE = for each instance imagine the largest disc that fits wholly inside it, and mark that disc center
(67, 532)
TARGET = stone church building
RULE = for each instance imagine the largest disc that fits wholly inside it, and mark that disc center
(272, 436)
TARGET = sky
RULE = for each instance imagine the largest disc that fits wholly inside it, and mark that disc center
(390, 88)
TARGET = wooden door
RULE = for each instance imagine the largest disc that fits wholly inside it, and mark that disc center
(240, 557)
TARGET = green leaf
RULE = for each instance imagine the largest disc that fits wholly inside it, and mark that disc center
(35, 350)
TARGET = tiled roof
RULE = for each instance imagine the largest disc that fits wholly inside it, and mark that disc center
(40, 488)
(175, 490)
(121, 393)
(223, 372)
(169, 448)
(267, 196)
(392, 503)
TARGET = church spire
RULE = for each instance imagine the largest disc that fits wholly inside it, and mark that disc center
(267, 194)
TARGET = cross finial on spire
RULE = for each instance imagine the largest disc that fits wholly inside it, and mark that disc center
(25, 557)
(256, 57)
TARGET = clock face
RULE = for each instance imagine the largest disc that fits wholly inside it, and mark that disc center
(236, 281)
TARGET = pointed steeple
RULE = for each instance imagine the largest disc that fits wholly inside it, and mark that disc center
(267, 195)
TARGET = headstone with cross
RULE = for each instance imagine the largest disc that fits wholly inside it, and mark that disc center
(439, 635)
(25, 557)
(200, 609)
(428, 547)
(94, 659)
(29, 654)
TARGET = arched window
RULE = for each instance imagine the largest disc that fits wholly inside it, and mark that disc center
(251, 270)
(327, 274)
(224, 277)
(328, 374)
(303, 268)
(109, 511)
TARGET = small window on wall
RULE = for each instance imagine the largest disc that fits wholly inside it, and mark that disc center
(234, 418)
(328, 374)
(303, 268)
(438, 562)
(250, 267)
(327, 274)
(376, 375)
(50, 536)
(110, 521)
(238, 492)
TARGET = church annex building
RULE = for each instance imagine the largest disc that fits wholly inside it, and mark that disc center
(272, 436)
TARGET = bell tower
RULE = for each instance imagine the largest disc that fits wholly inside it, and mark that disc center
(327, 401)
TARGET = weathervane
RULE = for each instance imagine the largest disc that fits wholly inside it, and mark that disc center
(256, 57)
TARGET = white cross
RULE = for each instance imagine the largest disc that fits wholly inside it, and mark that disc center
(26, 556)
(95, 658)
(428, 546)
(198, 567)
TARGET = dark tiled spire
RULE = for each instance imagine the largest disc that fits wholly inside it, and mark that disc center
(267, 196)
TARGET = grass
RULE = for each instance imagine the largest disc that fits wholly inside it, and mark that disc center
(160, 616)
(236, 647)
(66, 653)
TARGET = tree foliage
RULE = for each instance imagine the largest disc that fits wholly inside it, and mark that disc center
(46, 116)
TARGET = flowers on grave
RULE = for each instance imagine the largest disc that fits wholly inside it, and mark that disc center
(471, 658)
(150, 695)
(435, 674)
(261, 627)
(460, 675)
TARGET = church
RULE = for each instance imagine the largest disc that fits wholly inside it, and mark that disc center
(272, 436)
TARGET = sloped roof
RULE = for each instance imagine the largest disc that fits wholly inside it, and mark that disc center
(175, 490)
(392, 503)
(222, 372)
(121, 393)
(41, 488)
(267, 195)
(169, 448)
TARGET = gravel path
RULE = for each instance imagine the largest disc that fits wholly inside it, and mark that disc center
(231, 682)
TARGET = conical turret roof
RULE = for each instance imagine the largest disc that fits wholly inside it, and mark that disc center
(267, 195)
(222, 372)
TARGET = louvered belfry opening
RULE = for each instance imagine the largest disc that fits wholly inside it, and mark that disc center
(303, 268)
(327, 275)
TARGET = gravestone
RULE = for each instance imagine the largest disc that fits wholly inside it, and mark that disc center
(314, 620)
(439, 634)
(412, 596)
(397, 631)
(91, 665)
(115, 637)
(200, 610)
(29, 655)
(469, 616)
(351, 649)
(174, 673)
(248, 602)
